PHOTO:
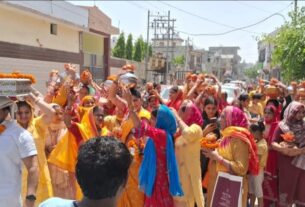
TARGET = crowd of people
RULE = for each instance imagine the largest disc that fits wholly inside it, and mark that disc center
(120, 144)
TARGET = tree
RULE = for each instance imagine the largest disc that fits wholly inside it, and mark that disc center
(129, 48)
(179, 60)
(252, 73)
(144, 50)
(289, 52)
(138, 52)
(119, 49)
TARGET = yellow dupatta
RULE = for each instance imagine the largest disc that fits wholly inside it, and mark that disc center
(65, 154)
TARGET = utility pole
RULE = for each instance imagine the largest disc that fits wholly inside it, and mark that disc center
(167, 47)
(186, 54)
(147, 48)
(163, 34)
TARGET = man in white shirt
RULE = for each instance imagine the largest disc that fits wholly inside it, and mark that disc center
(16, 147)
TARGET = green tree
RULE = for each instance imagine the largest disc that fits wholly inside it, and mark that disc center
(129, 48)
(289, 52)
(119, 49)
(138, 52)
(252, 72)
(144, 50)
(179, 60)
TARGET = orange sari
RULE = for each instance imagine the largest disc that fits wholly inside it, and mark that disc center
(65, 154)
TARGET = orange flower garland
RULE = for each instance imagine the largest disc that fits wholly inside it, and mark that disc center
(210, 141)
(17, 75)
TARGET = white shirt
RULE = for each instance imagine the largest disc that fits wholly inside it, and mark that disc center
(16, 143)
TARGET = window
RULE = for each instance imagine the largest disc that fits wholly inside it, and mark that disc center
(53, 29)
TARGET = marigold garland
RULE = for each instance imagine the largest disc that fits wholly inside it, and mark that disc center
(210, 141)
(17, 75)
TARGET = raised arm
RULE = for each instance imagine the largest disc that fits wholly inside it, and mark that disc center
(47, 109)
(114, 98)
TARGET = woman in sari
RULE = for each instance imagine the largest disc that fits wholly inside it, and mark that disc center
(291, 156)
(187, 147)
(158, 176)
(65, 153)
(37, 127)
(270, 183)
(60, 178)
(236, 154)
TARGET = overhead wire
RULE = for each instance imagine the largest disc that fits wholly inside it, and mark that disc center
(251, 6)
(240, 28)
(137, 5)
(200, 17)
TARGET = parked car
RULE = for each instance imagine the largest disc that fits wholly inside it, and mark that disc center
(232, 91)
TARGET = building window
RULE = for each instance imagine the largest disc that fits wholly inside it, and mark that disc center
(53, 29)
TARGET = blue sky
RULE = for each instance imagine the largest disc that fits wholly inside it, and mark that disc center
(131, 17)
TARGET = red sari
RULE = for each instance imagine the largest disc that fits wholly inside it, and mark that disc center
(270, 183)
(161, 196)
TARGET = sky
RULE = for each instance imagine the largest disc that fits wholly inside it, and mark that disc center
(202, 17)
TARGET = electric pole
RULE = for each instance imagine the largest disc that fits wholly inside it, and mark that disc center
(147, 48)
(186, 54)
(163, 34)
(167, 47)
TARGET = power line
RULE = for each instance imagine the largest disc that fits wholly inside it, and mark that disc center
(237, 29)
(251, 6)
(156, 7)
(137, 5)
(201, 17)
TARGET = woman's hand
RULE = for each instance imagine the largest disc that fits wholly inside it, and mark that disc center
(292, 152)
(209, 128)
(212, 154)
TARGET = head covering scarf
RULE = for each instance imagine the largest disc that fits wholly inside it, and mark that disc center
(289, 123)
(148, 170)
(195, 117)
(237, 128)
(235, 117)
(274, 110)
(177, 102)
